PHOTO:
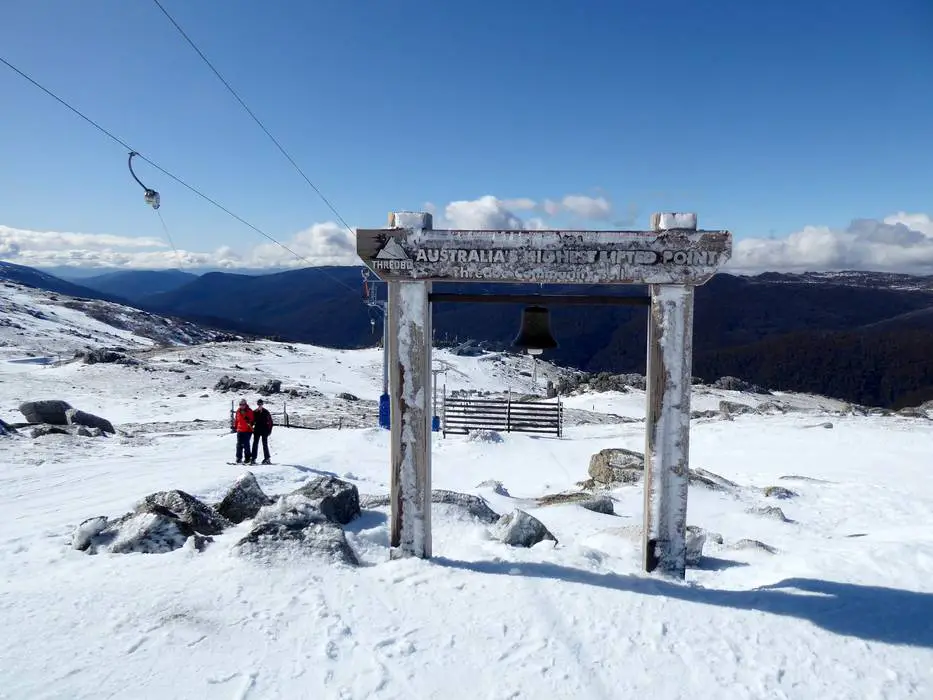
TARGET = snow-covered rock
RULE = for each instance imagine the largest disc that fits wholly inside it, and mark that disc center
(488, 436)
(779, 492)
(771, 512)
(521, 529)
(200, 517)
(150, 532)
(243, 500)
(45, 429)
(615, 465)
(472, 505)
(75, 416)
(86, 531)
(495, 485)
(295, 525)
(695, 539)
(322, 539)
(599, 504)
(338, 500)
(50, 411)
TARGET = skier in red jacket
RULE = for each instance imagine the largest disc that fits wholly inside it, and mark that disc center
(243, 426)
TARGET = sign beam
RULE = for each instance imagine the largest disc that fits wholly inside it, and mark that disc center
(670, 256)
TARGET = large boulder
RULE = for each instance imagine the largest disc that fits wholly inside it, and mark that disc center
(599, 504)
(273, 386)
(105, 355)
(520, 529)
(243, 500)
(615, 465)
(88, 420)
(734, 408)
(227, 383)
(50, 411)
(338, 500)
(198, 516)
(151, 532)
(293, 525)
(86, 531)
(736, 384)
(473, 505)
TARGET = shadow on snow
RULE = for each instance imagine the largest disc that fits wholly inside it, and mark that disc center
(871, 613)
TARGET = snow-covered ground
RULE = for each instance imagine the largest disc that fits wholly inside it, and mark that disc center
(842, 608)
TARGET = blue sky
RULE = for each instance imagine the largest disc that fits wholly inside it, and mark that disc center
(764, 117)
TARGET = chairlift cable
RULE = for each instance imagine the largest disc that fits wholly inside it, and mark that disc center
(256, 119)
(171, 242)
(167, 173)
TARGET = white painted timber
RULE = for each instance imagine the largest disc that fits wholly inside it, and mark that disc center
(665, 221)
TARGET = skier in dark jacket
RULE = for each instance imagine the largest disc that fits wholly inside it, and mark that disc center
(243, 421)
(262, 428)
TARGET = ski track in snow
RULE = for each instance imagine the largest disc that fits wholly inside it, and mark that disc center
(844, 609)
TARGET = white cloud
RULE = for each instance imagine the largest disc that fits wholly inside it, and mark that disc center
(536, 223)
(484, 213)
(326, 243)
(12, 238)
(900, 243)
(916, 222)
(588, 207)
(520, 203)
(321, 244)
(551, 208)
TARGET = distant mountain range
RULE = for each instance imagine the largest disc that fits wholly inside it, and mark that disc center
(136, 285)
(44, 280)
(860, 336)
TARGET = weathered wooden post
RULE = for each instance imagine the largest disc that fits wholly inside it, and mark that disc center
(409, 338)
(667, 422)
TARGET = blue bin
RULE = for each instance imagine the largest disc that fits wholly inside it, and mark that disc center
(384, 412)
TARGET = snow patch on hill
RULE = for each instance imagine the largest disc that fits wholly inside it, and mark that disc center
(35, 323)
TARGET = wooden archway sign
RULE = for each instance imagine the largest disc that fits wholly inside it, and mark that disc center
(672, 258)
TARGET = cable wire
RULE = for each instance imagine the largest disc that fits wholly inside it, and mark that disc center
(178, 258)
(251, 114)
(167, 173)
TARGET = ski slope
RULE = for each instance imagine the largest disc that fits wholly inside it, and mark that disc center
(842, 608)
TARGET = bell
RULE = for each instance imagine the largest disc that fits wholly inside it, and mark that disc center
(535, 334)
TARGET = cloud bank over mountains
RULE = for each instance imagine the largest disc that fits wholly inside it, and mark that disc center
(902, 242)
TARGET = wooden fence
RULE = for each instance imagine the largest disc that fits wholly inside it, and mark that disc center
(460, 416)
